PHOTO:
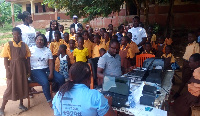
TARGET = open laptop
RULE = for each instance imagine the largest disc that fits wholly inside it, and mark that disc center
(118, 88)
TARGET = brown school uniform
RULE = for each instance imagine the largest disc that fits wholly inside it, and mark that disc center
(17, 84)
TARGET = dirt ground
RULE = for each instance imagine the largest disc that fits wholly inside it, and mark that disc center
(39, 106)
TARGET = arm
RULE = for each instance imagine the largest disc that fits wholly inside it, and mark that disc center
(68, 62)
(144, 39)
(110, 112)
(29, 66)
(51, 69)
(100, 73)
(7, 67)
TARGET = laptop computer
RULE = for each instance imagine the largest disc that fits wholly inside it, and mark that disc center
(118, 88)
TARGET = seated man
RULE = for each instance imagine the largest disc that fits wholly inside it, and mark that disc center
(110, 62)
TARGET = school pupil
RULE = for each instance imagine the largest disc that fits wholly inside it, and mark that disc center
(159, 47)
(147, 48)
(70, 51)
(132, 45)
(168, 56)
(191, 48)
(120, 32)
(17, 64)
(106, 41)
(66, 39)
(54, 46)
(61, 28)
(62, 61)
(102, 51)
(101, 33)
(72, 34)
(81, 53)
(126, 55)
(114, 37)
(97, 46)
(87, 43)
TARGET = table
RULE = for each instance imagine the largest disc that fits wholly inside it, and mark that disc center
(139, 110)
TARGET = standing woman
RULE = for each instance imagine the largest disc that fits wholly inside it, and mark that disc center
(17, 64)
(28, 32)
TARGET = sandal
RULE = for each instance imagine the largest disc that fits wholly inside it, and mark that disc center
(2, 112)
(23, 108)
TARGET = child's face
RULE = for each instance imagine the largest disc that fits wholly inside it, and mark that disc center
(191, 38)
(147, 47)
(90, 30)
(53, 25)
(106, 36)
(71, 43)
(160, 40)
(16, 36)
(61, 28)
(167, 50)
(80, 43)
(135, 22)
(129, 35)
(56, 37)
(96, 39)
(60, 50)
(66, 37)
(123, 41)
(85, 36)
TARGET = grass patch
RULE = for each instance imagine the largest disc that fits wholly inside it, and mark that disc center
(42, 31)
(6, 28)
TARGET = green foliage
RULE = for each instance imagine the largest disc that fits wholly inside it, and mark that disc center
(88, 8)
(5, 12)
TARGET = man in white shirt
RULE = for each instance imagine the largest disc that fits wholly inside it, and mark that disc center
(76, 25)
(139, 35)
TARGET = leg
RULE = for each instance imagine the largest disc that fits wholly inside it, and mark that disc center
(40, 76)
(21, 106)
(3, 107)
(59, 80)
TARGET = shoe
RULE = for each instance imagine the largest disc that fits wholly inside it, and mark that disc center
(23, 108)
(2, 112)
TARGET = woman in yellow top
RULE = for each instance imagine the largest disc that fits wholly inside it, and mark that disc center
(54, 46)
(81, 53)
(17, 64)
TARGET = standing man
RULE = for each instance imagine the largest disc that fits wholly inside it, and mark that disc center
(75, 25)
(110, 63)
(139, 35)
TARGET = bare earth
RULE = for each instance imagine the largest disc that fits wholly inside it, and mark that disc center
(39, 106)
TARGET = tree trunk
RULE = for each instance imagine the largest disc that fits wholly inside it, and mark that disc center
(138, 5)
(146, 13)
(169, 22)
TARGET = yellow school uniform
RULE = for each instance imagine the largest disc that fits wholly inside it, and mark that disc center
(81, 55)
(72, 36)
(168, 56)
(96, 48)
(191, 49)
(134, 48)
(104, 44)
(88, 44)
(130, 53)
(54, 46)
(6, 50)
(153, 38)
(145, 52)
(71, 56)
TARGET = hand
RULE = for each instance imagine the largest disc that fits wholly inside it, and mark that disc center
(50, 76)
(109, 99)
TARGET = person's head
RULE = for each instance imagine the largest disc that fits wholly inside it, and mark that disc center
(87, 26)
(62, 48)
(136, 21)
(90, 30)
(124, 40)
(41, 41)
(85, 35)
(130, 25)
(191, 37)
(194, 61)
(110, 27)
(102, 31)
(61, 28)
(75, 19)
(57, 35)
(53, 25)
(97, 39)
(121, 29)
(80, 29)
(114, 37)
(129, 34)
(113, 47)
(150, 29)
(25, 17)
(168, 49)
(79, 73)
(149, 36)
(72, 31)
(80, 42)
(148, 47)
(96, 31)
(106, 36)
(17, 33)
(102, 51)
(66, 37)
(77, 35)
(38, 32)
(161, 39)
(72, 44)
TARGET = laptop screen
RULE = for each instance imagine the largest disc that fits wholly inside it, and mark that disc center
(119, 85)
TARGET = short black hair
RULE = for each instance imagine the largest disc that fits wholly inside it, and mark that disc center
(17, 29)
(85, 31)
(113, 41)
(126, 37)
(136, 17)
(196, 57)
(98, 36)
(58, 32)
(80, 38)
(102, 50)
(66, 33)
(120, 27)
(79, 34)
(63, 46)
(104, 29)
(147, 43)
(169, 46)
(44, 37)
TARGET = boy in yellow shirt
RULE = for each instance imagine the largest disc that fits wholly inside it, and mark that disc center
(70, 51)
(54, 46)
(169, 57)
(81, 53)
(66, 39)
(105, 42)
(97, 46)
(87, 43)
(147, 48)
(132, 44)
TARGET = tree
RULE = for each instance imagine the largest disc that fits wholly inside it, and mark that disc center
(5, 12)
